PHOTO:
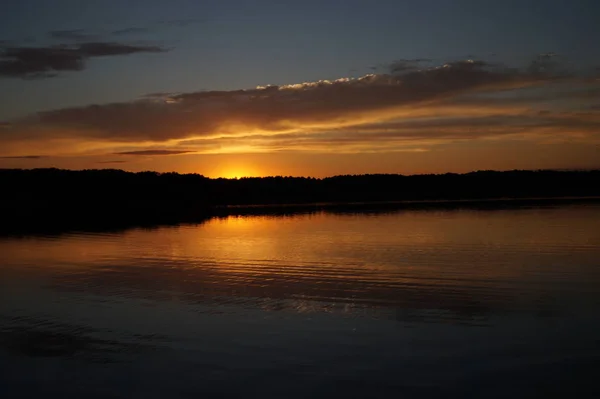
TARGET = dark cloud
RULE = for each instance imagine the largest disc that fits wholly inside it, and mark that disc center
(461, 100)
(280, 108)
(550, 63)
(25, 157)
(36, 62)
(153, 152)
(28, 62)
(161, 95)
(101, 49)
(404, 65)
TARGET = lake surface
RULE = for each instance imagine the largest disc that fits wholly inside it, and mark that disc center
(424, 304)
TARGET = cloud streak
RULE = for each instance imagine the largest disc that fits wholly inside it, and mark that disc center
(409, 108)
(42, 62)
(84, 35)
(24, 157)
(153, 152)
(287, 107)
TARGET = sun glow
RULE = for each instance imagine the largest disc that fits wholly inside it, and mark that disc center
(237, 172)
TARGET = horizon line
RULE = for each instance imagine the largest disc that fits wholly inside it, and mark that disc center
(305, 176)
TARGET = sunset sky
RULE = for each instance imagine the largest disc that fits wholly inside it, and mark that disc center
(304, 88)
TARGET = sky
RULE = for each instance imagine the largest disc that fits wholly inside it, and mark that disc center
(235, 88)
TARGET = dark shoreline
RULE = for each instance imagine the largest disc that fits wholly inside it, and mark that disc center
(55, 200)
(44, 221)
(419, 204)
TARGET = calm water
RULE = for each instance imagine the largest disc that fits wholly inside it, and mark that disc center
(462, 303)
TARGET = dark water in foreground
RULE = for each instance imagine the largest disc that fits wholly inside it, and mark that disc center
(421, 304)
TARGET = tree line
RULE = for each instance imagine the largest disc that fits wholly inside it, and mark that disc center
(46, 194)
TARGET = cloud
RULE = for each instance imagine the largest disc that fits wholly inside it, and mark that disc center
(101, 49)
(111, 162)
(38, 62)
(406, 110)
(418, 134)
(288, 107)
(406, 65)
(153, 152)
(283, 108)
(24, 157)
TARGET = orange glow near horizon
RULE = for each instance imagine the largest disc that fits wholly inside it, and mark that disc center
(236, 171)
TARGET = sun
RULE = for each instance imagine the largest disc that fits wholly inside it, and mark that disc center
(237, 172)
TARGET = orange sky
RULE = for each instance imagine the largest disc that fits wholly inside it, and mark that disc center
(455, 117)
(305, 88)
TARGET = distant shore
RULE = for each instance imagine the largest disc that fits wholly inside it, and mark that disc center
(23, 222)
(60, 200)
(418, 203)
(396, 206)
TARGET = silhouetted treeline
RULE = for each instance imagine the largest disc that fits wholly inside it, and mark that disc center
(107, 196)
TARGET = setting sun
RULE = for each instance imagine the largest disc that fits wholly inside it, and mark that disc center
(299, 198)
(237, 172)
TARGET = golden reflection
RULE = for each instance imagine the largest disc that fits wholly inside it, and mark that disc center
(423, 258)
(239, 222)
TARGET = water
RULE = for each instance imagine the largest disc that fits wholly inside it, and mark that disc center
(462, 303)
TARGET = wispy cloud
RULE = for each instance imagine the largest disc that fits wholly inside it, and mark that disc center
(85, 35)
(153, 152)
(405, 65)
(24, 157)
(287, 107)
(410, 108)
(112, 162)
